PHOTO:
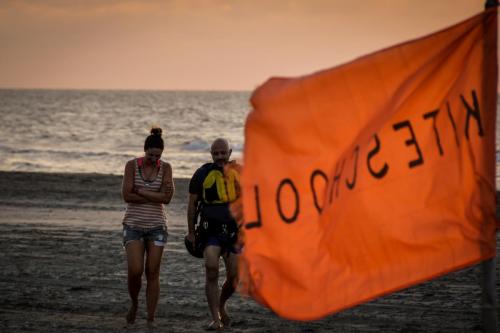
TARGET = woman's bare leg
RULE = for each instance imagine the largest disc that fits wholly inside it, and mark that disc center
(135, 263)
(153, 261)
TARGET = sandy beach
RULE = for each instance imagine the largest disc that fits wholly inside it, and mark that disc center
(63, 269)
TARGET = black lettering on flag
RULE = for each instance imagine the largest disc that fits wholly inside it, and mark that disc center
(453, 123)
(474, 112)
(433, 114)
(383, 171)
(350, 185)
(258, 223)
(313, 187)
(336, 180)
(411, 141)
(292, 218)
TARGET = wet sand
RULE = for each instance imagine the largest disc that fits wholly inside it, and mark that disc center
(62, 269)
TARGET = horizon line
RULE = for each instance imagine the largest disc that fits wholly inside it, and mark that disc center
(126, 89)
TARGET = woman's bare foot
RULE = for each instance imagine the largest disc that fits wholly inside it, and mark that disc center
(151, 325)
(132, 312)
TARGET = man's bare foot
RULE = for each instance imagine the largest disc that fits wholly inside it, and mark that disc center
(132, 312)
(224, 317)
(215, 326)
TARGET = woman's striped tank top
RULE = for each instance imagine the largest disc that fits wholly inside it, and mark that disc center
(146, 215)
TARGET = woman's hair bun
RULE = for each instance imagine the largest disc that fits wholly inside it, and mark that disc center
(154, 140)
(156, 131)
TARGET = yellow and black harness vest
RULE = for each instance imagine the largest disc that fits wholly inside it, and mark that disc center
(220, 186)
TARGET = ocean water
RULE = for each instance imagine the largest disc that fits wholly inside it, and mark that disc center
(84, 131)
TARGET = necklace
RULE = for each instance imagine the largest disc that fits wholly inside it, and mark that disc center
(148, 177)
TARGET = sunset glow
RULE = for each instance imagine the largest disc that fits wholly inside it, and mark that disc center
(203, 44)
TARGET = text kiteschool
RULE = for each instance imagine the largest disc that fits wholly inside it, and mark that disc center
(348, 179)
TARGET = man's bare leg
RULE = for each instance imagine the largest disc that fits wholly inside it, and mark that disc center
(211, 255)
(488, 296)
(231, 262)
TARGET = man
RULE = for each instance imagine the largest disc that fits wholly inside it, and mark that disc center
(211, 189)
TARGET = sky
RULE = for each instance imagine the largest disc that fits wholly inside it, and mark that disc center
(201, 44)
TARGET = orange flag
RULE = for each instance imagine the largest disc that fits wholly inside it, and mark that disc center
(373, 176)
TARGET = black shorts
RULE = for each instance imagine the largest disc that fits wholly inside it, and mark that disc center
(219, 228)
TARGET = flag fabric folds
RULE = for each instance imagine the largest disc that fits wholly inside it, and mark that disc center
(372, 176)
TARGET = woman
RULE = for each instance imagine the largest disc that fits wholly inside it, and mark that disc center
(147, 186)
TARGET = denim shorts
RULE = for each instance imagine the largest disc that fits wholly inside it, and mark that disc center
(158, 235)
